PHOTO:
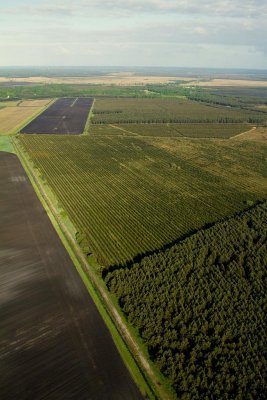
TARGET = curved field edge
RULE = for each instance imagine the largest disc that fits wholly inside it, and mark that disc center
(134, 354)
(199, 307)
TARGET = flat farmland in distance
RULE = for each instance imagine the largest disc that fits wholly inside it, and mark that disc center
(131, 195)
(12, 117)
(64, 116)
(199, 130)
(243, 83)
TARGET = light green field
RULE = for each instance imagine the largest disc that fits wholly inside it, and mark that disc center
(198, 130)
(5, 144)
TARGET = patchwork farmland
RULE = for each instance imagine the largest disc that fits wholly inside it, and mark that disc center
(147, 173)
(64, 116)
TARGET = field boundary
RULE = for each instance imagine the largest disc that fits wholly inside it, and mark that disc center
(147, 378)
(18, 128)
(89, 118)
(243, 133)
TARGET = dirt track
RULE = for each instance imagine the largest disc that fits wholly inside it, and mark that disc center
(53, 342)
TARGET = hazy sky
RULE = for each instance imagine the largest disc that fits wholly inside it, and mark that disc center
(194, 33)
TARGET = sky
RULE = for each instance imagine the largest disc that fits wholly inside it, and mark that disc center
(170, 33)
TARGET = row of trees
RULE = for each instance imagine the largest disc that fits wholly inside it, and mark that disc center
(220, 120)
(200, 308)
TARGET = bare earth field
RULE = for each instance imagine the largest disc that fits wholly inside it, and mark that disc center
(53, 343)
(64, 116)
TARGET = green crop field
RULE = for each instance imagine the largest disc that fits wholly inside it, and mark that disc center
(170, 117)
(132, 195)
(169, 110)
(159, 130)
(198, 130)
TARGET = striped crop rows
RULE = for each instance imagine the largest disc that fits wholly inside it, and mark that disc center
(129, 111)
(198, 130)
(127, 196)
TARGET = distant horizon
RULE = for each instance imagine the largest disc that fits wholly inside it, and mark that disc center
(135, 67)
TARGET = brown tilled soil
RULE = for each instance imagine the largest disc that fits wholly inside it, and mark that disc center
(64, 116)
(53, 342)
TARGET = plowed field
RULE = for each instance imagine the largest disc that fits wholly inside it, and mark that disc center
(53, 343)
(65, 116)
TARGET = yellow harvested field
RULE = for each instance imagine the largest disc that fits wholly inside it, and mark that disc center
(124, 78)
(228, 82)
(116, 79)
(262, 107)
(34, 103)
(11, 118)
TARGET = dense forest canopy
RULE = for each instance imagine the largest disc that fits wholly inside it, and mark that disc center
(200, 307)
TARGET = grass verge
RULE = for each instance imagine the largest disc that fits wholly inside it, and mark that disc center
(6, 145)
(89, 118)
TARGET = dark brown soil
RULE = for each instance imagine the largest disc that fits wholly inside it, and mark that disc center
(65, 116)
(53, 342)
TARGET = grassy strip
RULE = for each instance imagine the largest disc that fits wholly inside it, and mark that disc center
(30, 119)
(139, 376)
(89, 118)
(6, 145)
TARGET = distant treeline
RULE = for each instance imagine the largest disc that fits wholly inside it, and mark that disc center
(200, 308)
(65, 90)
(244, 102)
(233, 98)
